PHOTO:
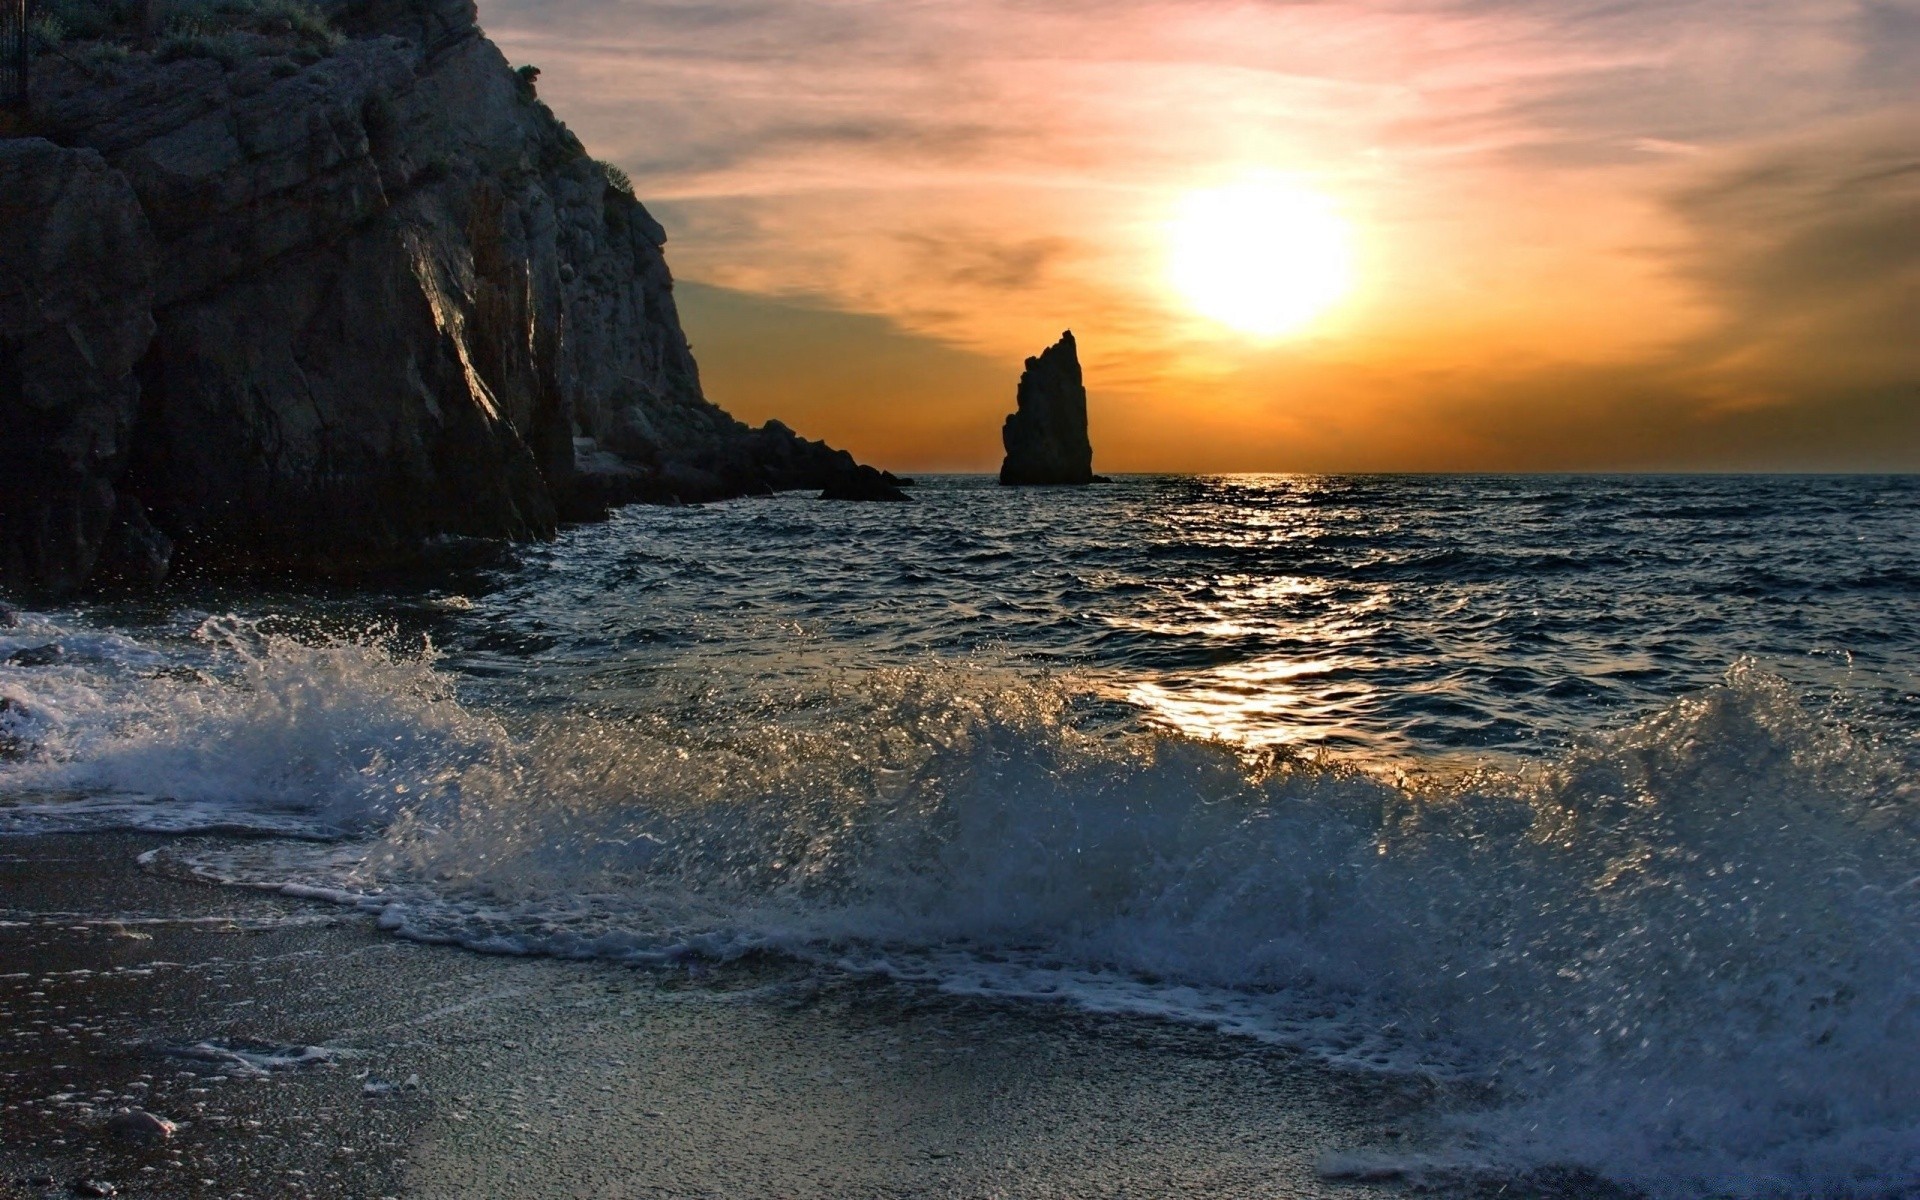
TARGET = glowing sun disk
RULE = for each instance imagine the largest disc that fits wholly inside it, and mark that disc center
(1264, 258)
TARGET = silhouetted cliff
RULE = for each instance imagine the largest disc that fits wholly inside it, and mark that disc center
(329, 291)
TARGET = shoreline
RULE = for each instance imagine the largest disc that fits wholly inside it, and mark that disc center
(539, 1077)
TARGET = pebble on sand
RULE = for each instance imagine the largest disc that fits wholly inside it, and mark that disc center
(137, 1124)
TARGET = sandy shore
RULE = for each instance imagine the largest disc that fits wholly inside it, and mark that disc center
(538, 1078)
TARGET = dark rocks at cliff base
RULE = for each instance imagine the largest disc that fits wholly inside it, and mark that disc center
(327, 309)
(1046, 439)
(134, 554)
(740, 462)
(864, 483)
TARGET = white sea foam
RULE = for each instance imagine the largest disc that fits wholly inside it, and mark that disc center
(1687, 954)
(234, 728)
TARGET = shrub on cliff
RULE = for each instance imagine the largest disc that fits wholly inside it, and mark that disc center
(191, 41)
(617, 179)
(213, 24)
(46, 32)
(228, 30)
(85, 20)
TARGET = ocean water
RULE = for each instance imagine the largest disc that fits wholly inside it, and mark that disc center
(1593, 799)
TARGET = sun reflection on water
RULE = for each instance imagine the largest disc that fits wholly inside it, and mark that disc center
(1276, 660)
(1266, 704)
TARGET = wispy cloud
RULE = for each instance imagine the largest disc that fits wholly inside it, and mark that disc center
(1653, 227)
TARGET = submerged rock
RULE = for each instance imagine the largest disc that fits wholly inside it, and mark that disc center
(1046, 439)
(13, 716)
(36, 656)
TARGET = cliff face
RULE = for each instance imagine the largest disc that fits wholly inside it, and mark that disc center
(75, 316)
(392, 304)
(1046, 437)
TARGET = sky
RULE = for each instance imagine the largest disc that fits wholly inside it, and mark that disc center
(1524, 234)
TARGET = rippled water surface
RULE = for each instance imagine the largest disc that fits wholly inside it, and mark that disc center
(1389, 616)
(1595, 796)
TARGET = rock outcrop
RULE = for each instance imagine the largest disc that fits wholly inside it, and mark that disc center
(1046, 439)
(329, 299)
(76, 299)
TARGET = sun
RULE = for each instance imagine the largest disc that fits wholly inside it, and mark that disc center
(1263, 257)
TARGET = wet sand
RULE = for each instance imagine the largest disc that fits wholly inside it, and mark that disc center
(538, 1078)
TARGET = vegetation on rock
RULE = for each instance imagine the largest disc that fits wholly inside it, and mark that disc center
(229, 31)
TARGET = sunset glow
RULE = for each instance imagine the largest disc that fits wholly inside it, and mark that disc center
(1264, 258)
(1471, 234)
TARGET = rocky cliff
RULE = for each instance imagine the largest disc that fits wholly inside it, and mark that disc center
(76, 300)
(1046, 437)
(327, 290)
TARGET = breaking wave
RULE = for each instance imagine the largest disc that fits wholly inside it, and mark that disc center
(232, 727)
(1685, 954)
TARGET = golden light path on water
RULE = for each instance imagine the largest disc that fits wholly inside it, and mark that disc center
(1296, 701)
(1271, 704)
(1265, 650)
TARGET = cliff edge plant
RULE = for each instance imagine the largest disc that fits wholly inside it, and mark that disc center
(85, 20)
(227, 30)
(617, 179)
(232, 30)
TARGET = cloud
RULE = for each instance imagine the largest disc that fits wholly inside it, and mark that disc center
(1613, 231)
(1809, 247)
(963, 259)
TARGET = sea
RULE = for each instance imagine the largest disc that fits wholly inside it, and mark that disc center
(1596, 799)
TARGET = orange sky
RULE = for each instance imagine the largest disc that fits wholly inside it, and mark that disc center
(1621, 234)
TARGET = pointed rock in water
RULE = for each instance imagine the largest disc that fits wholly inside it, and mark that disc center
(36, 656)
(1046, 439)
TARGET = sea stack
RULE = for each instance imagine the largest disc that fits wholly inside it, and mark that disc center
(1046, 439)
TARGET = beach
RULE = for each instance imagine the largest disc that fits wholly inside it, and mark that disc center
(540, 1078)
